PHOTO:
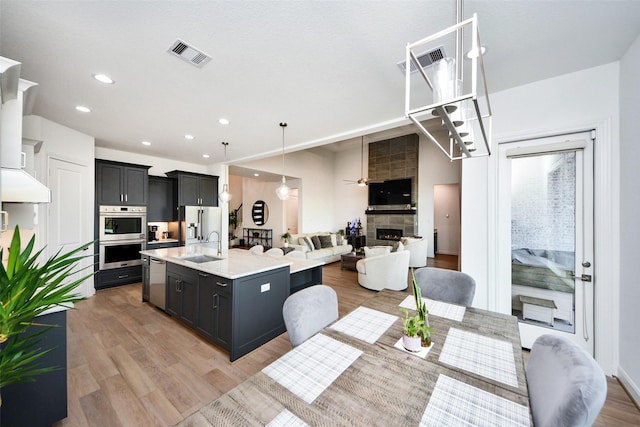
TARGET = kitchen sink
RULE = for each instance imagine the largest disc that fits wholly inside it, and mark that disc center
(199, 259)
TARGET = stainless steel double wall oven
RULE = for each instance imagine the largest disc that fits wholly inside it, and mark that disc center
(122, 235)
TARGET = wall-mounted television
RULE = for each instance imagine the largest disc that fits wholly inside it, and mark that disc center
(390, 192)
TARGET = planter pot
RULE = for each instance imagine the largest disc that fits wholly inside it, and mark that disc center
(412, 343)
(286, 244)
(426, 342)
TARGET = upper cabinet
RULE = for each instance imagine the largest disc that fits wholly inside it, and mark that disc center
(163, 199)
(196, 189)
(121, 183)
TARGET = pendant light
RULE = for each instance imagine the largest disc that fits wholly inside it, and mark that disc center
(283, 191)
(225, 196)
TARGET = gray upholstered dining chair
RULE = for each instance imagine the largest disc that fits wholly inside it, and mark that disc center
(446, 285)
(308, 311)
(566, 385)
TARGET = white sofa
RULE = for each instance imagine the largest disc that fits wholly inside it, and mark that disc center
(387, 271)
(332, 246)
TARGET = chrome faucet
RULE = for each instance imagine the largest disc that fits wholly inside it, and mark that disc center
(219, 242)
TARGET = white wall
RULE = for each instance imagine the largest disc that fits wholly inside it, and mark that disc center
(350, 199)
(72, 146)
(575, 101)
(315, 171)
(434, 168)
(629, 369)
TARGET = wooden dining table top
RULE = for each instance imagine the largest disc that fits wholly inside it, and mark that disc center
(473, 365)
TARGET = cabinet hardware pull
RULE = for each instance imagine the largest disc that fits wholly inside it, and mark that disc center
(221, 284)
(215, 301)
(203, 275)
(121, 198)
(178, 285)
(126, 197)
(123, 276)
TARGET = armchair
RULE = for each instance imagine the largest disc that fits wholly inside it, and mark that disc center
(418, 249)
(388, 271)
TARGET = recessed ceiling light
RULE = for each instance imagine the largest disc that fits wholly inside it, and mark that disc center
(206, 156)
(223, 121)
(103, 78)
(189, 137)
(83, 109)
(256, 174)
(146, 143)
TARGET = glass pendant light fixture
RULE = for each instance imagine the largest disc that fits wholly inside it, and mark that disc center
(283, 191)
(225, 196)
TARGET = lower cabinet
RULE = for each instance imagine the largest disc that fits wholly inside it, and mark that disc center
(182, 293)
(214, 308)
(118, 276)
(44, 401)
(145, 278)
(238, 314)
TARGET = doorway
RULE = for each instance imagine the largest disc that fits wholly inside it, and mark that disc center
(69, 221)
(446, 219)
(546, 234)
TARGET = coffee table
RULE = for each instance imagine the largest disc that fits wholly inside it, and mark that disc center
(348, 261)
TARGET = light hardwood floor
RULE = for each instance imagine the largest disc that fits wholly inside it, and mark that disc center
(132, 365)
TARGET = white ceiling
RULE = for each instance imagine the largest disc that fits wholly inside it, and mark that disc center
(328, 68)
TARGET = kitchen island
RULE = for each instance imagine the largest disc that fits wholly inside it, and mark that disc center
(234, 300)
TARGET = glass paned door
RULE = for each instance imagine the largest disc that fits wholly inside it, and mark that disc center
(546, 236)
(543, 243)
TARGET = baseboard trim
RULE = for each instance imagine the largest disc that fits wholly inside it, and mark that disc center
(631, 387)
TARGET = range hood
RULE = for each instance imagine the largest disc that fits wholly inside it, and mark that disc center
(17, 185)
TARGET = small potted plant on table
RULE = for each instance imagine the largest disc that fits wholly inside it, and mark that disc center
(285, 238)
(412, 325)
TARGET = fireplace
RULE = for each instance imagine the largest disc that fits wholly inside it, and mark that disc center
(388, 234)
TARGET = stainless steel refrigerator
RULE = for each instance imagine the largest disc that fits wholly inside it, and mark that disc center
(200, 224)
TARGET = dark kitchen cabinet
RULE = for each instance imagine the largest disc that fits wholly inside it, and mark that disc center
(182, 293)
(145, 278)
(214, 308)
(118, 276)
(196, 189)
(121, 183)
(44, 401)
(163, 199)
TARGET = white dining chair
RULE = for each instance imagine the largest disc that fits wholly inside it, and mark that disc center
(567, 387)
(308, 311)
(257, 250)
(296, 255)
(275, 252)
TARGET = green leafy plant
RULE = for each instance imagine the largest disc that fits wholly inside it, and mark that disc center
(28, 289)
(411, 325)
(285, 236)
(418, 324)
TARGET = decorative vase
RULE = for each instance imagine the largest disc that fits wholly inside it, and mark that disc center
(412, 343)
(425, 341)
(286, 244)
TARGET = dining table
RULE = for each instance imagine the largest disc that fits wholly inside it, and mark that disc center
(356, 372)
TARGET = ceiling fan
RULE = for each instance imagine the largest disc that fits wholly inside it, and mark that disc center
(362, 181)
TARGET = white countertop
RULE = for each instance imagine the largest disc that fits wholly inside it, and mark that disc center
(232, 265)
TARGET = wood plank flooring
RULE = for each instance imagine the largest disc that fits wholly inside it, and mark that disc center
(132, 365)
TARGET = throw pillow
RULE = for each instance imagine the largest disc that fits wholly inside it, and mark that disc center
(376, 250)
(316, 242)
(325, 241)
(334, 239)
(306, 241)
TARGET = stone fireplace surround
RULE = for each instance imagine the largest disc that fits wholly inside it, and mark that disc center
(393, 159)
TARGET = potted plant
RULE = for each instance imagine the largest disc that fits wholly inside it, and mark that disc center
(28, 289)
(411, 327)
(285, 238)
(422, 314)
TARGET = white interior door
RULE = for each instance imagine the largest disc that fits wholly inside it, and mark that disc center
(546, 236)
(69, 223)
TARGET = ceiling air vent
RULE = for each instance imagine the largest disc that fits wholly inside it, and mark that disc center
(425, 59)
(189, 53)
